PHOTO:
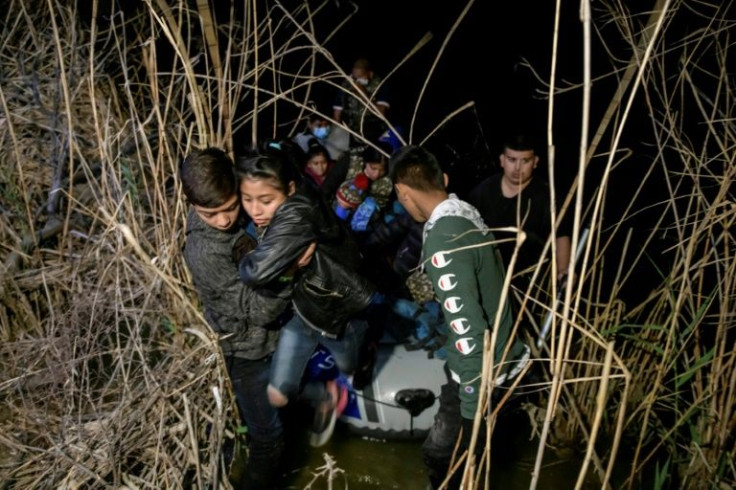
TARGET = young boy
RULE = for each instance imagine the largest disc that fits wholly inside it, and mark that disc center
(370, 161)
(239, 315)
(467, 276)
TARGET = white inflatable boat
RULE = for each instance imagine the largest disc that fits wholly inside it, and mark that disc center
(402, 398)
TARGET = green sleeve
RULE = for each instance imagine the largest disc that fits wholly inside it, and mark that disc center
(454, 275)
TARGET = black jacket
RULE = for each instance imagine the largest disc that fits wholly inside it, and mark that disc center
(328, 291)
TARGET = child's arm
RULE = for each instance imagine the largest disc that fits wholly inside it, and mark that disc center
(283, 245)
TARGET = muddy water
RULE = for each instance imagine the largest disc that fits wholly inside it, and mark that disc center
(362, 463)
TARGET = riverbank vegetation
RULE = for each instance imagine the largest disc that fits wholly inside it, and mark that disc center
(110, 375)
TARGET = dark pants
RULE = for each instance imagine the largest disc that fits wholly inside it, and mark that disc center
(265, 432)
(440, 443)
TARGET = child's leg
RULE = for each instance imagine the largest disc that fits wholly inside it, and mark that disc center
(346, 350)
(296, 345)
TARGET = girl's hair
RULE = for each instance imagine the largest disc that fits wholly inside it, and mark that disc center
(271, 162)
(314, 148)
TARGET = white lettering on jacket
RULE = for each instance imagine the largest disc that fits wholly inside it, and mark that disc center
(439, 260)
(460, 326)
(446, 283)
(464, 345)
(453, 304)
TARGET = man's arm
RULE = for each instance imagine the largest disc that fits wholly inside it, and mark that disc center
(382, 98)
(339, 103)
(455, 284)
(563, 255)
(336, 176)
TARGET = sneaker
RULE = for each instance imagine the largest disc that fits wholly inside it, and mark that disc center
(327, 413)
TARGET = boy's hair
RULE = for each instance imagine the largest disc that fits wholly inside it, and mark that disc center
(416, 168)
(373, 155)
(207, 178)
(519, 142)
(273, 162)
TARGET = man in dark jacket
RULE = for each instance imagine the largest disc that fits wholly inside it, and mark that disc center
(243, 318)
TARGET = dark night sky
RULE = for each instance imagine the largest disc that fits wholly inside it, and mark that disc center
(480, 63)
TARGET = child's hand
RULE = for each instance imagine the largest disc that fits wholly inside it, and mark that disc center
(306, 257)
(302, 261)
(242, 247)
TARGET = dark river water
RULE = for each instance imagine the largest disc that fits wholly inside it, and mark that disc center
(369, 463)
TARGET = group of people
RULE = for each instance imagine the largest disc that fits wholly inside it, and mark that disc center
(277, 243)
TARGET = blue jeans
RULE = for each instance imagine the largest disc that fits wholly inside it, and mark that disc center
(249, 379)
(297, 343)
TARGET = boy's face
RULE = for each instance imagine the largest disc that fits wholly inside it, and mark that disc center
(222, 217)
(408, 198)
(261, 198)
(518, 166)
(374, 170)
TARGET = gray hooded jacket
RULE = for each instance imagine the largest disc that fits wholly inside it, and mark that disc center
(238, 314)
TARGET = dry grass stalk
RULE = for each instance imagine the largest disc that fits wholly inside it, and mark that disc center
(110, 375)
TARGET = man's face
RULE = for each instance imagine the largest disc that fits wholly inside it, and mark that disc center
(518, 166)
(222, 217)
(407, 197)
(374, 170)
(362, 76)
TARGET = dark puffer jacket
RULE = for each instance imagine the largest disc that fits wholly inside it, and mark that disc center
(235, 311)
(329, 290)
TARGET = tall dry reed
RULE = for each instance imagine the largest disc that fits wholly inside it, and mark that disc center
(110, 375)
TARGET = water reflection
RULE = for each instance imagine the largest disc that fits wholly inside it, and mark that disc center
(372, 463)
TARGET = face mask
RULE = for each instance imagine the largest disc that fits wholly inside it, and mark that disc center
(362, 81)
(321, 132)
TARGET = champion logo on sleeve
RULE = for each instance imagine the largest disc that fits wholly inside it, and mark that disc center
(465, 345)
(439, 260)
(460, 326)
(453, 304)
(447, 282)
